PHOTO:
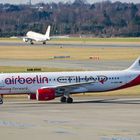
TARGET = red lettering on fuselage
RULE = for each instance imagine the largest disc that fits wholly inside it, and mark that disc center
(26, 80)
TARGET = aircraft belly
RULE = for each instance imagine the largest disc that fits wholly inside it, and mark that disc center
(99, 87)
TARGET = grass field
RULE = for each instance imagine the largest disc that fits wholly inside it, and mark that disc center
(75, 53)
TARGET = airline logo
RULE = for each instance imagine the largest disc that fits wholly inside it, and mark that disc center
(28, 80)
(100, 78)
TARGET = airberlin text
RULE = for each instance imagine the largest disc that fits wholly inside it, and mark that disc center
(28, 80)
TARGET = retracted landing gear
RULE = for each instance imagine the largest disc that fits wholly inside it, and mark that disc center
(63, 99)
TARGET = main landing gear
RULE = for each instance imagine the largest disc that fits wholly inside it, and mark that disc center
(1, 100)
(63, 99)
(31, 43)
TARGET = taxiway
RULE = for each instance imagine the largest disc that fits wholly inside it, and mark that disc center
(106, 118)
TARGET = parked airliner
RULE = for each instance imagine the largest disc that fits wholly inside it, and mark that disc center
(33, 36)
(49, 85)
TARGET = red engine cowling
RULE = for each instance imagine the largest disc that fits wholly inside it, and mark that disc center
(32, 96)
(45, 94)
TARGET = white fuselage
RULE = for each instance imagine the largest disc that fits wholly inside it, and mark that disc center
(36, 36)
(27, 83)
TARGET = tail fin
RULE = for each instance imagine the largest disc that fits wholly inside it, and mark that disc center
(135, 65)
(47, 35)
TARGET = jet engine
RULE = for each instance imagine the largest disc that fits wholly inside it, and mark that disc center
(25, 39)
(45, 94)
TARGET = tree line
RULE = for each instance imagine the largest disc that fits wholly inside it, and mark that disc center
(103, 19)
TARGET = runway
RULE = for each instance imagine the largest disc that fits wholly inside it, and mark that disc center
(98, 118)
(101, 45)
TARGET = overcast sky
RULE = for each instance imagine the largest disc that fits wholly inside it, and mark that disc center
(36, 1)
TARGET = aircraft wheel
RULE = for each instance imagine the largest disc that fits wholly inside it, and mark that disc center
(1, 101)
(63, 99)
(44, 43)
(69, 100)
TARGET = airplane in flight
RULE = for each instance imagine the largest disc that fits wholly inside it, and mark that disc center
(33, 36)
(49, 85)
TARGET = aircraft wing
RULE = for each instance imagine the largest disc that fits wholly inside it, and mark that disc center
(26, 39)
(73, 85)
(67, 88)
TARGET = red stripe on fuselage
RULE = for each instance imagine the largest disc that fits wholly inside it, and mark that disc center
(132, 83)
